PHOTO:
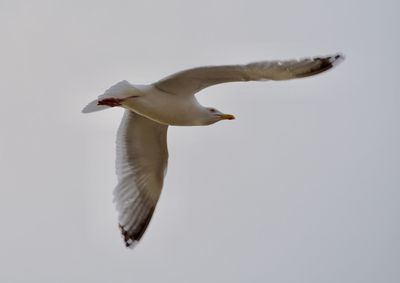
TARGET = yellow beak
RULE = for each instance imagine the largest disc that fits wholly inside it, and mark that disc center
(227, 117)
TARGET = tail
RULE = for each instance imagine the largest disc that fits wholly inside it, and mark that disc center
(120, 90)
(93, 107)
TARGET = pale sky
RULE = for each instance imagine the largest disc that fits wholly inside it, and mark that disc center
(302, 187)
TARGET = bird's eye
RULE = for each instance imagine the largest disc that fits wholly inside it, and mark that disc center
(213, 110)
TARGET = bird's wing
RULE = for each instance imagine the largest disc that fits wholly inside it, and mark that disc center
(141, 164)
(191, 81)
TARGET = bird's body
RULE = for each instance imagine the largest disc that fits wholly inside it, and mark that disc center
(142, 153)
(176, 110)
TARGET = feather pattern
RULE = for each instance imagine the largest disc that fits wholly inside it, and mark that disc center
(141, 163)
(188, 82)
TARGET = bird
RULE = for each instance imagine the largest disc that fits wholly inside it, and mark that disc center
(141, 146)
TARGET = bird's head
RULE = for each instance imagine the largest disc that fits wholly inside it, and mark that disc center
(213, 115)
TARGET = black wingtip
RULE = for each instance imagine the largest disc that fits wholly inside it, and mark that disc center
(326, 63)
(132, 236)
(338, 58)
(127, 238)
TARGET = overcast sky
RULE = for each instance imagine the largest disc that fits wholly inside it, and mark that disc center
(302, 187)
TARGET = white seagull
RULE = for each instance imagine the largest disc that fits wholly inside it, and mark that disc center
(142, 152)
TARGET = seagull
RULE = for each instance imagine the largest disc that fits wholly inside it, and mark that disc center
(142, 154)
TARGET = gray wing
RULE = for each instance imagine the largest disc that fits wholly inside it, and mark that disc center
(193, 80)
(141, 164)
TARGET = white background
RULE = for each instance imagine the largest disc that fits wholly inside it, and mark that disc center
(302, 187)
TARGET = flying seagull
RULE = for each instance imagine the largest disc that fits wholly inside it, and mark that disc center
(142, 153)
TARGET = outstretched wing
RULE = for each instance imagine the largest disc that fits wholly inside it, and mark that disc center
(191, 81)
(142, 157)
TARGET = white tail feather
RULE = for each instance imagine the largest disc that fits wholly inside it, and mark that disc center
(93, 107)
(122, 89)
